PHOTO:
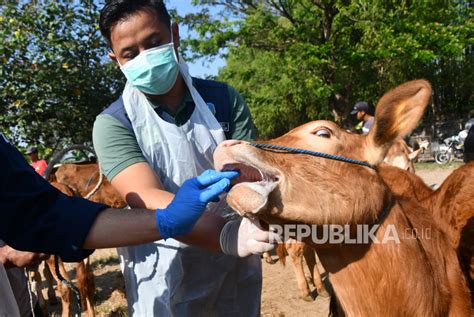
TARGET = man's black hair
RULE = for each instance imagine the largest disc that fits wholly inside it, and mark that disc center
(115, 11)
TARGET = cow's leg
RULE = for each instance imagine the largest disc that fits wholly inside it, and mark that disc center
(90, 289)
(81, 276)
(48, 277)
(85, 282)
(295, 251)
(311, 261)
(281, 253)
(65, 292)
(268, 258)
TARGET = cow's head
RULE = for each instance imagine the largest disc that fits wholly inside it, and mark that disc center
(402, 156)
(282, 187)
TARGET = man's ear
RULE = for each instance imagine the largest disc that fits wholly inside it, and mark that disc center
(398, 112)
(112, 56)
(176, 38)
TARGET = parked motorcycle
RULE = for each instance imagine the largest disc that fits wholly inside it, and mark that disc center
(451, 148)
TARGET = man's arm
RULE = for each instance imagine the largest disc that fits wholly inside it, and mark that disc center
(120, 227)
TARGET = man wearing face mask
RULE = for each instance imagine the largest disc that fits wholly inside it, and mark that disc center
(162, 130)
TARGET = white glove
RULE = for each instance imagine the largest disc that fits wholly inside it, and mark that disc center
(243, 238)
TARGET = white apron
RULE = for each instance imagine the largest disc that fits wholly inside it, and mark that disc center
(170, 278)
(8, 305)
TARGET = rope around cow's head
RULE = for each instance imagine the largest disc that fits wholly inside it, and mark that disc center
(313, 153)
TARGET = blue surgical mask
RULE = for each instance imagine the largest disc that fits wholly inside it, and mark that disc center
(153, 71)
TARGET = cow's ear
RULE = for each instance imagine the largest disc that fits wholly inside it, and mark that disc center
(398, 112)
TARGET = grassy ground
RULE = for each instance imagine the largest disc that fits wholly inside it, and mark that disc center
(110, 293)
(434, 165)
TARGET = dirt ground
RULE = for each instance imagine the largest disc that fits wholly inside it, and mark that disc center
(280, 292)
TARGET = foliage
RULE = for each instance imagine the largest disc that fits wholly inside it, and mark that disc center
(297, 60)
(54, 74)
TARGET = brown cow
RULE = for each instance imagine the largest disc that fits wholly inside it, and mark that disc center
(409, 277)
(298, 250)
(401, 156)
(452, 204)
(81, 180)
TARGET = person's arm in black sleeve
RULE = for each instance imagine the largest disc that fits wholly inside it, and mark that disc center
(35, 216)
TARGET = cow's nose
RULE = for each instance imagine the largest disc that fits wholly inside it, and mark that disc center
(223, 153)
(229, 143)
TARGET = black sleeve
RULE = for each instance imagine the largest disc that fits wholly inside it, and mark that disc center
(35, 216)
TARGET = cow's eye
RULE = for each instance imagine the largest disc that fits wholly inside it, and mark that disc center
(324, 133)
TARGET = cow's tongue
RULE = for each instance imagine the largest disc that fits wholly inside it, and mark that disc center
(247, 173)
(251, 189)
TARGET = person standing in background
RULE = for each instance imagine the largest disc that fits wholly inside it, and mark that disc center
(361, 109)
(38, 165)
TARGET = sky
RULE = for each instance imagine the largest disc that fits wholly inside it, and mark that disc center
(199, 68)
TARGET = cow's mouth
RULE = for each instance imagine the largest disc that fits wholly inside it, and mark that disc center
(250, 191)
(250, 174)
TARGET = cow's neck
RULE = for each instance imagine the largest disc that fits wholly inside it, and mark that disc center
(450, 206)
(377, 279)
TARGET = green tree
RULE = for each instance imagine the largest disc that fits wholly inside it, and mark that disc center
(54, 73)
(300, 60)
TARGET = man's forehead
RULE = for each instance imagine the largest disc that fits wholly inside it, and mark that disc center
(137, 25)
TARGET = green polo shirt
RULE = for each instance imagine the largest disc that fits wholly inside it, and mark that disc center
(117, 148)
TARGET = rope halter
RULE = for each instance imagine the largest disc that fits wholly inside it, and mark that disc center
(318, 154)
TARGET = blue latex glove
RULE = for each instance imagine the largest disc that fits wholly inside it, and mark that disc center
(190, 202)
